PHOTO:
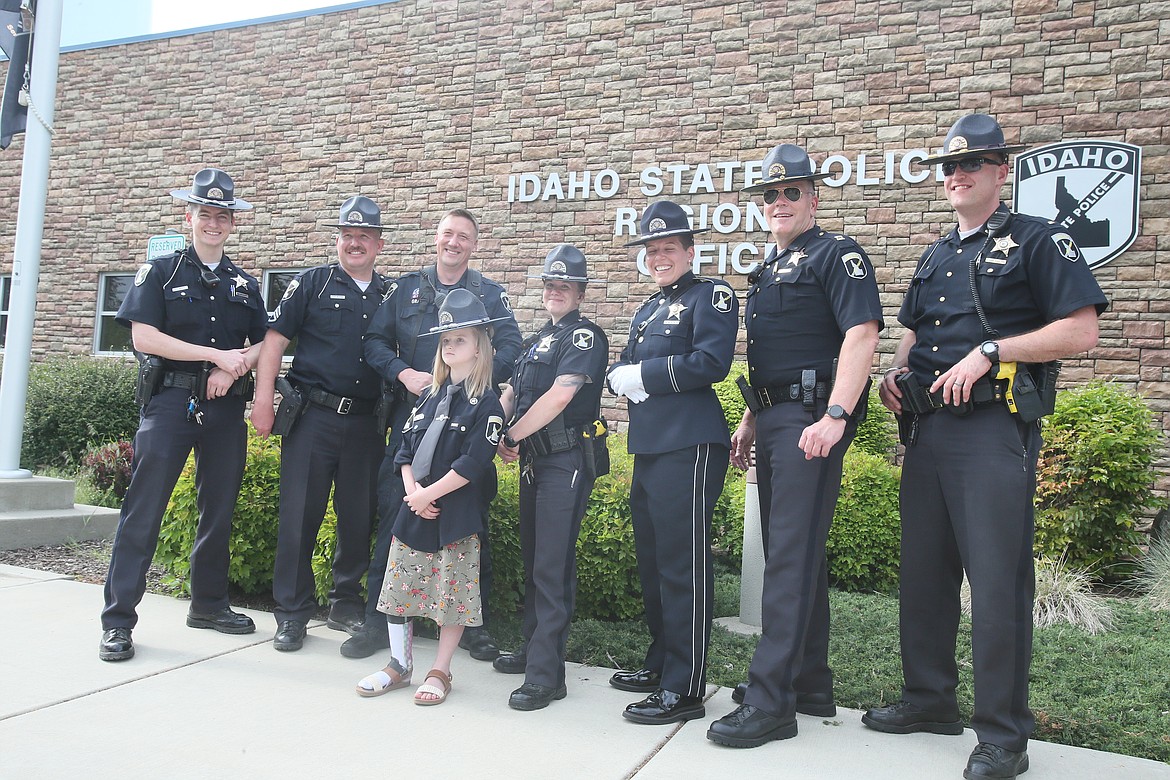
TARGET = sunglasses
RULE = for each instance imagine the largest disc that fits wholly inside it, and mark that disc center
(968, 165)
(791, 193)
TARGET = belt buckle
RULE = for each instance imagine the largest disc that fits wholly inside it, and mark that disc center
(344, 405)
(765, 396)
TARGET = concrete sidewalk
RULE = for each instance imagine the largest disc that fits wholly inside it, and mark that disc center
(199, 704)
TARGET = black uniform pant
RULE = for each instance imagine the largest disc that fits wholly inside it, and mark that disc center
(164, 440)
(391, 492)
(672, 500)
(797, 500)
(966, 504)
(325, 450)
(554, 491)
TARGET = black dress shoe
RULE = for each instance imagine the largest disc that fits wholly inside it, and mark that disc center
(223, 620)
(640, 681)
(906, 718)
(479, 644)
(347, 620)
(750, 726)
(290, 635)
(665, 706)
(365, 643)
(531, 696)
(992, 761)
(817, 704)
(511, 663)
(116, 645)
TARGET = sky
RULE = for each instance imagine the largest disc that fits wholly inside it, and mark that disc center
(91, 21)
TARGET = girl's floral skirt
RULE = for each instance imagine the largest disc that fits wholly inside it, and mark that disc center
(442, 586)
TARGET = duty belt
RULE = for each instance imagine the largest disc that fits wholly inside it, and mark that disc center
(339, 403)
(770, 395)
(191, 381)
(984, 392)
(543, 443)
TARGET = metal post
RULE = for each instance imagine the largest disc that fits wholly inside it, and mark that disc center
(30, 222)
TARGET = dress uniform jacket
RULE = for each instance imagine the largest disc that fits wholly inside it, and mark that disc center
(171, 294)
(684, 339)
(555, 488)
(328, 314)
(799, 306)
(466, 446)
(968, 483)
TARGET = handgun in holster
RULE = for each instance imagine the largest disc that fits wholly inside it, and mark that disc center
(915, 397)
(292, 406)
(150, 377)
(201, 377)
(596, 449)
(385, 406)
(750, 399)
(1022, 394)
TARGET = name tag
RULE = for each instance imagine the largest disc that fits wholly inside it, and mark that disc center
(337, 297)
(179, 289)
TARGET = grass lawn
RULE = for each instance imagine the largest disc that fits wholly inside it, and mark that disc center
(1107, 692)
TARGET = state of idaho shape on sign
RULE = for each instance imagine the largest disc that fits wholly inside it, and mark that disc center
(1089, 188)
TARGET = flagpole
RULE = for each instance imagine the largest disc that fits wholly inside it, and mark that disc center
(30, 222)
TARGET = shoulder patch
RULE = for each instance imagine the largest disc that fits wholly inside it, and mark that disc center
(504, 300)
(495, 429)
(721, 298)
(291, 289)
(854, 265)
(389, 291)
(583, 339)
(143, 272)
(1066, 247)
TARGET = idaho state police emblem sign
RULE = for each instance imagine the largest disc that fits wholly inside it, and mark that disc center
(1089, 188)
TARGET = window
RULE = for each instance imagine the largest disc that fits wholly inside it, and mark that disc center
(275, 283)
(110, 338)
(5, 295)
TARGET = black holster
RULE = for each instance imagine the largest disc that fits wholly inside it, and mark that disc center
(292, 405)
(392, 394)
(150, 377)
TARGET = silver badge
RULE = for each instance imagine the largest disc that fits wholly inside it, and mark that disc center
(558, 267)
(656, 224)
(215, 193)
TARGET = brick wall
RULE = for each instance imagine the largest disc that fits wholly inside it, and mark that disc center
(429, 105)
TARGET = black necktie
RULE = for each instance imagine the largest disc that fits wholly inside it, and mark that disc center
(421, 465)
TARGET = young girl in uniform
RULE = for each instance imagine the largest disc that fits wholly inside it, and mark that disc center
(446, 465)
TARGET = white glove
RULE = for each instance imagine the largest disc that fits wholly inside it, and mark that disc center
(627, 381)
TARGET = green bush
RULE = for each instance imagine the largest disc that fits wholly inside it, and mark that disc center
(1095, 478)
(864, 541)
(878, 433)
(109, 467)
(730, 397)
(254, 526)
(74, 402)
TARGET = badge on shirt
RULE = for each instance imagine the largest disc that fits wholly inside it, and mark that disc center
(143, 272)
(854, 265)
(1066, 247)
(721, 298)
(495, 428)
(239, 281)
(583, 339)
(545, 344)
(673, 316)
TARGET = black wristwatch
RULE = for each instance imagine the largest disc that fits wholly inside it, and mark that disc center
(990, 350)
(837, 412)
(509, 442)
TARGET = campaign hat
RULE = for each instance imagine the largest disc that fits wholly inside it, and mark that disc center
(972, 136)
(462, 308)
(662, 219)
(213, 187)
(565, 263)
(785, 164)
(359, 212)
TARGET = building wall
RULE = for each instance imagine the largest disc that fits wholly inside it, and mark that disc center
(429, 105)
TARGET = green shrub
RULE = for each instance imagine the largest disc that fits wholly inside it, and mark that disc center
(1095, 477)
(74, 402)
(865, 538)
(109, 467)
(254, 526)
(878, 433)
(730, 397)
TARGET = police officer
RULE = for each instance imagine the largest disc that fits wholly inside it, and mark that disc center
(194, 310)
(554, 402)
(681, 342)
(990, 303)
(335, 443)
(813, 317)
(394, 350)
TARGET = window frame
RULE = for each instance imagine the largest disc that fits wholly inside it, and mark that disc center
(101, 313)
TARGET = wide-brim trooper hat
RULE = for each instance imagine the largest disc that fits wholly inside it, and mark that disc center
(359, 212)
(971, 136)
(462, 309)
(565, 263)
(663, 219)
(785, 164)
(212, 187)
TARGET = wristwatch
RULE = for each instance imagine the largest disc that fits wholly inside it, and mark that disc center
(990, 350)
(509, 442)
(837, 412)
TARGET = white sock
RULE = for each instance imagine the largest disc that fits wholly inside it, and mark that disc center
(402, 642)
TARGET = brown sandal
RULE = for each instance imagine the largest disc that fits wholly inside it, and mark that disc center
(382, 682)
(441, 693)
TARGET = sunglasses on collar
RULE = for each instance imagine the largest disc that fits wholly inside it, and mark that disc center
(791, 193)
(969, 165)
